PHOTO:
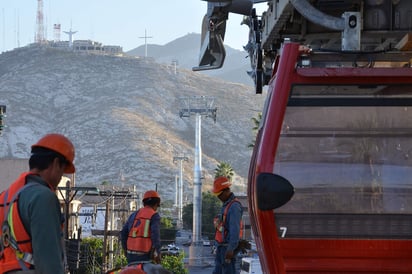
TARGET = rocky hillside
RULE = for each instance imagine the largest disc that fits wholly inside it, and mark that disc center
(122, 114)
(185, 50)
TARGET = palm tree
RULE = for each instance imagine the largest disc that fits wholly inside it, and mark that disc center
(224, 169)
(256, 124)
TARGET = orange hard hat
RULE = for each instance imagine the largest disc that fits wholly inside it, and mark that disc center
(60, 144)
(151, 194)
(131, 270)
(220, 184)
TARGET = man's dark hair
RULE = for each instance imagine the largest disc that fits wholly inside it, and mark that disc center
(41, 158)
(151, 201)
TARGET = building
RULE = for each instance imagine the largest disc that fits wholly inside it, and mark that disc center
(10, 169)
(87, 46)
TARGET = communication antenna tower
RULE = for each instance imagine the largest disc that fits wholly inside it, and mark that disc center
(39, 23)
(57, 32)
(198, 106)
(18, 29)
(4, 31)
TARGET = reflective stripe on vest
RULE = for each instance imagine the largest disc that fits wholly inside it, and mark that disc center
(219, 224)
(16, 246)
(139, 239)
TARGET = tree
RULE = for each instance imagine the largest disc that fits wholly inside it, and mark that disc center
(187, 216)
(210, 207)
(256, 124)
(224, 169)
(167, 230)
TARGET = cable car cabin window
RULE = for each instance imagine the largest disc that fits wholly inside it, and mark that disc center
(347, 150)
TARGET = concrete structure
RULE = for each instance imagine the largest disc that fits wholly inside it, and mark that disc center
(87, 46)
(113, 50)
(61, 44)
(10, 169)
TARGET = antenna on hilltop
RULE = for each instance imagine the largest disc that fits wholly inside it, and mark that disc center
(56, 31)
(18, 29)
(4, 31)
(39, 23)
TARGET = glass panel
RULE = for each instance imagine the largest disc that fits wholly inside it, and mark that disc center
(349, 159)
(358, 91)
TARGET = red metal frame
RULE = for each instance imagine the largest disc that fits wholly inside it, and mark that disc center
(280, 256)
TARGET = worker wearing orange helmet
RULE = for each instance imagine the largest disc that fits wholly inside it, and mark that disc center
(31, 235)
(140, 235)
(228, 227)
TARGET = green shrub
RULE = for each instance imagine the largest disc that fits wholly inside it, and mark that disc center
(175, 263)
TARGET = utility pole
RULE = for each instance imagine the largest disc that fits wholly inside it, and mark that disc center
(68, 196)
(110, 231)
(179, 189)
(199, 106)
(145, 42)
(72, 255)
(105, 234)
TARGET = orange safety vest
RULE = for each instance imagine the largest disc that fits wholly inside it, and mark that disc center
(219, 223)
(15, 243)
(139, 239)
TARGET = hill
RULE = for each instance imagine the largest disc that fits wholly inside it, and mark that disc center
(185, 50)
(122, 114)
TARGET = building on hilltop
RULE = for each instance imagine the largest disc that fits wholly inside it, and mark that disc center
(87, 46)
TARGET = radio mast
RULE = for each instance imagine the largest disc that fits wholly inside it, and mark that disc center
(39, 23)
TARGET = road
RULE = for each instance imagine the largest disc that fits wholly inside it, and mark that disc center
(201, 270)
(208, 261)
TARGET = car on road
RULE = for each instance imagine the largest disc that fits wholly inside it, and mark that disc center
(187, 243)
(170, 249)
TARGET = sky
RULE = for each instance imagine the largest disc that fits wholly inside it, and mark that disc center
(121, 22)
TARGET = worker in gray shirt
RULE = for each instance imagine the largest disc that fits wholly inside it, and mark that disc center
(31, 235)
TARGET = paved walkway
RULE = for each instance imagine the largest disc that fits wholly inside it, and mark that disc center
(201, 270)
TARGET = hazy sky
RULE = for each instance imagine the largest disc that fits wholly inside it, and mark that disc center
(120, 22)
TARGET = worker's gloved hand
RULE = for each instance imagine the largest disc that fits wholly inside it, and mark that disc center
(243, 246)
(228, 256)
(157, 258)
